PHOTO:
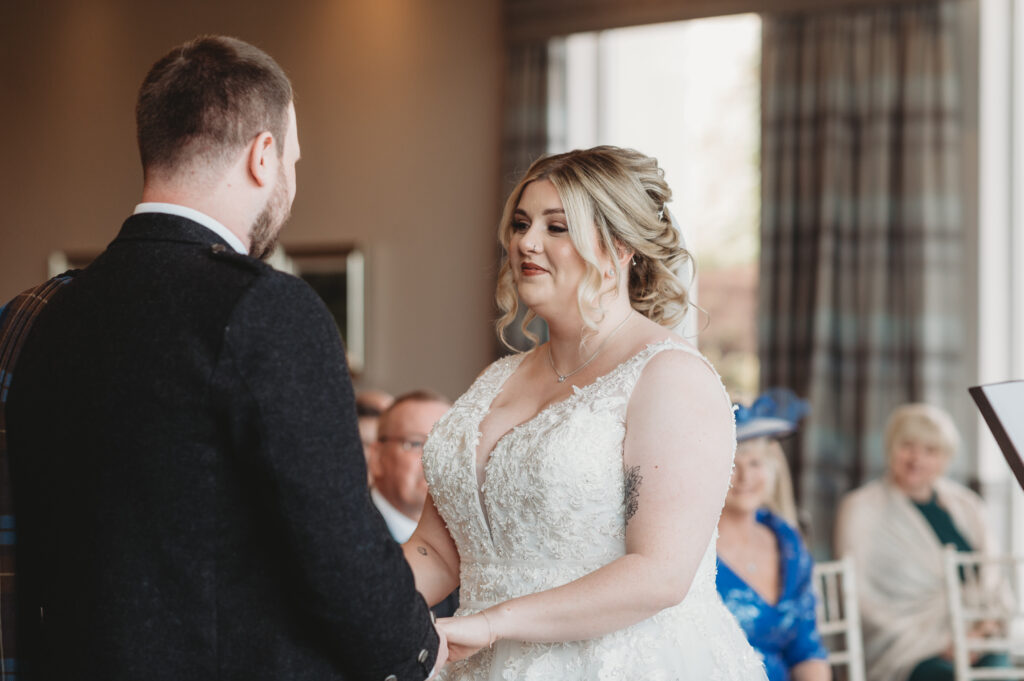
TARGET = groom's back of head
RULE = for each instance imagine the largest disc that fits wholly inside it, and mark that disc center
(203, 101)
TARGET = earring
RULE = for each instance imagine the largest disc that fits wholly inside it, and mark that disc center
(610, 273)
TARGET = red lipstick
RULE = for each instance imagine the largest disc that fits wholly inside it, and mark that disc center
(530, 269)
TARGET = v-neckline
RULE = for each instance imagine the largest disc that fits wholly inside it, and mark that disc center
(576, 391)
(781, 567)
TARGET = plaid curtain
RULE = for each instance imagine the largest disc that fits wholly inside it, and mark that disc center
(524, 134)
(861, 259)
(525, 123)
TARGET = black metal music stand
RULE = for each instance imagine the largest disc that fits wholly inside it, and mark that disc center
(1002, 405)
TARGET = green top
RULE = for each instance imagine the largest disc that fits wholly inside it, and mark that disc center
(942, 523)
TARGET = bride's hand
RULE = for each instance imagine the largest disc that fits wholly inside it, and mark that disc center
(466, 635)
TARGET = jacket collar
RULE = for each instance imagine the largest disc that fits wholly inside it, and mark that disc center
(166, 227)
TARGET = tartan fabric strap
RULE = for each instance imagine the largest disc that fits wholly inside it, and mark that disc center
(16, 318)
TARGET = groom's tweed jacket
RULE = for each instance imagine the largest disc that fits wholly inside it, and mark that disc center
(189, 482)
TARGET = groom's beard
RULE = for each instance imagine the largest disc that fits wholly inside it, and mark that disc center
(267, 225)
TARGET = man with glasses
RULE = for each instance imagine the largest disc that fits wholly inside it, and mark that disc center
(396, 464)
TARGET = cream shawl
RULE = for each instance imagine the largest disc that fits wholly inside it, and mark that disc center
(900, 578)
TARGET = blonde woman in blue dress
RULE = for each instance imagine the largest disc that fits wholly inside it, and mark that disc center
(575, 489)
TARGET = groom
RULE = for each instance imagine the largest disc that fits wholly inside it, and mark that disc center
(189, 504)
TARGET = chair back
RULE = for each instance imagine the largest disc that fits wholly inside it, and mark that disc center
(985, 589)
(839, 618)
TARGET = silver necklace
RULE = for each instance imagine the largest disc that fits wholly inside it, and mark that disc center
(562, 377)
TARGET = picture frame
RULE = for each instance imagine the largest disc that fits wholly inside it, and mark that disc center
(337, 273)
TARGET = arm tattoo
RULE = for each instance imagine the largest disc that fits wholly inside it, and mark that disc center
(422, 550)
(633, 480)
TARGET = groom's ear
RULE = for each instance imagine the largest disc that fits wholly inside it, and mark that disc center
(262, 159)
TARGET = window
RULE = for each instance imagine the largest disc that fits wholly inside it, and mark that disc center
(687, 93)
(1000, 244)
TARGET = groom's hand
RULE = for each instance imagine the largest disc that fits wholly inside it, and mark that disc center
(442, 653)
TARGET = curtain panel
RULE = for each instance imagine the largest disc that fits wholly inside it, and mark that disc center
(525, 125)
(861, 261)
(534, 20)
(524, 134)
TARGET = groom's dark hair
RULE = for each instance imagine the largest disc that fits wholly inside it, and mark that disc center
(205, 99)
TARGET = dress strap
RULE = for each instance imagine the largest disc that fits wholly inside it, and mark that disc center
(491, 380)
(644, 356)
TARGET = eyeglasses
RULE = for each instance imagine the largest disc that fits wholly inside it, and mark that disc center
(406, 443)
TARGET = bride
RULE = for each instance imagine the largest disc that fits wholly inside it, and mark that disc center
(575, 489)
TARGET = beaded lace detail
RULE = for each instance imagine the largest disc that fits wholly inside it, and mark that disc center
(552, 509)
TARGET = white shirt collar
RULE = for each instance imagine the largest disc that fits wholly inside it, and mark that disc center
(195, 216)
(401, 525)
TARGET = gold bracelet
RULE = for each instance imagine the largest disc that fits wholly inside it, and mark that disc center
(490, 633)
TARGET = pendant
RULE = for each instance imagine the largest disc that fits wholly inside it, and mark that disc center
(561, 378)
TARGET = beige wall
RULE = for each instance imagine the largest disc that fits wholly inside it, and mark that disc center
(398, 106)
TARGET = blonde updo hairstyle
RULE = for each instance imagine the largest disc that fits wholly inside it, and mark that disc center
(622, 193)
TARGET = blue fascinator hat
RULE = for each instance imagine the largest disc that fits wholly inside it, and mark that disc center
(773, 414)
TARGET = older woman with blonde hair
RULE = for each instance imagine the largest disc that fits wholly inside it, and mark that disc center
(896, 528)
(764, 568)
(575, 488)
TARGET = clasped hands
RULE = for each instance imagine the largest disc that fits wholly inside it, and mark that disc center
(465, 635)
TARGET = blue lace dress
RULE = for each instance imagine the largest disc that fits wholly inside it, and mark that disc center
(784, 633)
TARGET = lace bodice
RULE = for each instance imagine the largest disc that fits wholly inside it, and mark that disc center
(552, 505)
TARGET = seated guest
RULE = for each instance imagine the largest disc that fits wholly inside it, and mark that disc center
(369, 406)
(895, 528)
(764, 569)
(399, 488)
(396, 465)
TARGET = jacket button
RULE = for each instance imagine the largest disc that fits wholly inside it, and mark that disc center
(390, 677)
(423, 656)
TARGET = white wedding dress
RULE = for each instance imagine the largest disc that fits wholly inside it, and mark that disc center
(551, 510)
